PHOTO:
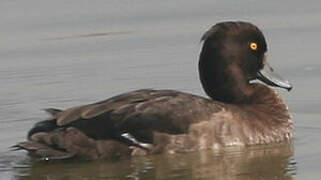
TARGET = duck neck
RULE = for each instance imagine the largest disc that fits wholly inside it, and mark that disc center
(268, 105)
(226, 83)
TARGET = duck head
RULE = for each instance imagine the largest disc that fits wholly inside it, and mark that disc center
(233, 55)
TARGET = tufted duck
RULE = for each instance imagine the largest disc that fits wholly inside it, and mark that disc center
(239, 112)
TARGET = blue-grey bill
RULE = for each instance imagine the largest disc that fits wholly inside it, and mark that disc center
(272, 78)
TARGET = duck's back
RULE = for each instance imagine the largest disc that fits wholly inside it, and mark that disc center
(153, 121)
(129, 119)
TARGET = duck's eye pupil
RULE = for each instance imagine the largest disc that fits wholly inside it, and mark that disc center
(253, 46)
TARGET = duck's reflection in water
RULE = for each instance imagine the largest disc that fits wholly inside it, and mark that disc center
(258, 162)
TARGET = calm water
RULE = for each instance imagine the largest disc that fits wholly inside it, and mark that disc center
(67, 53)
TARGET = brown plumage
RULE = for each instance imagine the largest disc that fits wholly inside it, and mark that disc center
(152, 121)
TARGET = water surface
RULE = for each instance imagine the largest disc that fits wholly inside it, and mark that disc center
(66, 53)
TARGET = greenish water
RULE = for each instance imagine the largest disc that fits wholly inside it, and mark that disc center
(67, 53)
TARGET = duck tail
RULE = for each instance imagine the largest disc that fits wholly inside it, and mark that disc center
(48, 141)
(43, 140)
(43, 126)
(46, 125)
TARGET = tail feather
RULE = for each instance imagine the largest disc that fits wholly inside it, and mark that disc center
(43, 151)
(43, 126)
(67, 143)
(48, 141)
(53, 111)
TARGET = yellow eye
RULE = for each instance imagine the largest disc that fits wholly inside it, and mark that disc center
(253, 46)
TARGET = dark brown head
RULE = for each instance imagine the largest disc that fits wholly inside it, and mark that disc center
(233, 55)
